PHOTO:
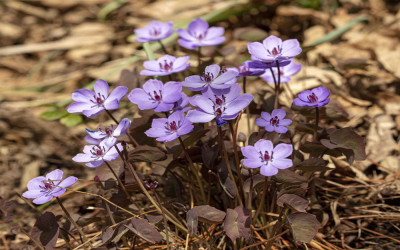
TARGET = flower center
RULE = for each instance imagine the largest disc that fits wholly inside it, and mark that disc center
(219, 107)
(155, 32)
(109, 131)
(98, 99)
(243, 69)
(276, 51)
(172, 127)
(266, 157)
(48, 185)
(274, 121)
(200, 36)
(97, 151)
(312, 98)
(167, 66)
(157, 97)
(207, 77)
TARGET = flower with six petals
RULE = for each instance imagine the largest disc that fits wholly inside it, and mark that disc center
(165, 65)
(274, 121)
(43, 189)
(92, 103)
(316, 97)
(263, 155)
(154, 31)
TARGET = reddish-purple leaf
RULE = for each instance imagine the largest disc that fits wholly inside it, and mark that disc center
(312, 165)
(237, 223)
(143, 229)
(293, 201)
(144, 153)
(289, 177)
(107, 234)
(46, 230)
(209, 214)
(348, 139)
(304, 226)
(257, 179)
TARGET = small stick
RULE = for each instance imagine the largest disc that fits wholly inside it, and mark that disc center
(119, 181)
(316, 124)
(71, 220)
(164, 218)
(195, 172)
(228, 165)
(162, 47)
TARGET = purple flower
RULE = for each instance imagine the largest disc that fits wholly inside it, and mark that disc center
(285, 71)
(92, 103)
(166, 65)
(270, 159)
(317, 97)
(273, 49)
(108, 133)
(43, 189)
(168, 129)
(154, 31)
(157, 96)
(225, 104)
(245, 70)
(95, 155)
(211, 79)
(274, 121)
(199, 34)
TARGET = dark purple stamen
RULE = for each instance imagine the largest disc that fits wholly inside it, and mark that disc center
(98, 99)
(166, 66)
(157, 97)
(274, 121)
(207, 77)
(312, 98)
(155, 32)
(97, 151)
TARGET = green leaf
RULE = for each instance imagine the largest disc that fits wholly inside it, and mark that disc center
(71, 120)
(102, 14)
(53, 114)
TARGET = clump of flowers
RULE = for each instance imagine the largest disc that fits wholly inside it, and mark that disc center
(189, 151)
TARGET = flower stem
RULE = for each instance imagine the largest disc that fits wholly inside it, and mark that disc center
(72, 221)
(164, 218)
(119, 181)
(234, 141)
(144, 190)
(195, 172)
(199, 59)
(278, 86)
(133, 141)
(262, 198)
(228, 165)
(316, 124)
(247, 108)
(163, 47)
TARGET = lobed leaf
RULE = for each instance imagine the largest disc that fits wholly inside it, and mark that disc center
(209, 214)
(237, 223)
(143, 229)
(294, 201)
(304, 226)
(46, 230)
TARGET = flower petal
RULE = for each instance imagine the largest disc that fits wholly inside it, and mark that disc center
(122, 127)
(282, 150)
(257, 50)
(142, 99)
(35, 183)
(252, 163)
(197, 115)
(198, 25)
(82, 95)
(264, 145)
(43, 199)
(280, 113)
(95, 164)
(181, 61)
(101, 87)
(93, 112)
(69, 181)
(282, 163)
(188, 44)
(250, 152)
(55, 175)
(213, 70)
(224, 78)
(261, 122)
(32, 194)
(79, 107)
(214, 32)
(171, 92)
(291, 48)
(268, 170)
(82, 158)
(185, 35)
